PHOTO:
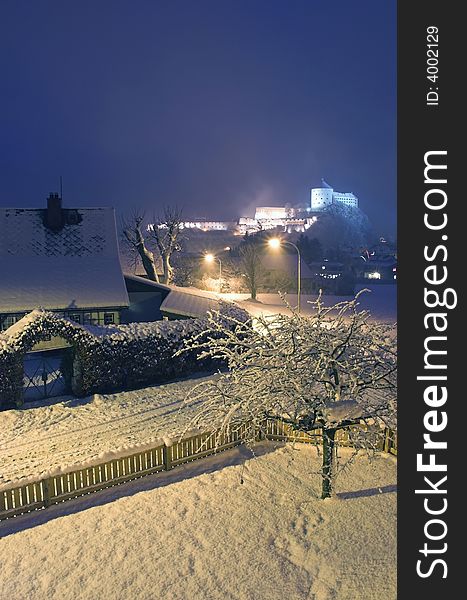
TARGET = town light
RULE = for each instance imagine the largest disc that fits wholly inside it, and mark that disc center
(210, 258)
(276, 243)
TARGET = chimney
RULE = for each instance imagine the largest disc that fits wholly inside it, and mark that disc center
(54, 218)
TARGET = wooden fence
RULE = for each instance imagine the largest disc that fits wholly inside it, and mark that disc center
(58, 488)
(353, 436)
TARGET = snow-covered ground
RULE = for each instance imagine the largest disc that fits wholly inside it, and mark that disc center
(198, 533)
(381, 301)
(61, 432)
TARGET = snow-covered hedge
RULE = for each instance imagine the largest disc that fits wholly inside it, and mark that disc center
(112, 357)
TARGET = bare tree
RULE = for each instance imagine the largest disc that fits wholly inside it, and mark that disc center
(137, 243)
(327, 371)
(251, 266)
(166, 235)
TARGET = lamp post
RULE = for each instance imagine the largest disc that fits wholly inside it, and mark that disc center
(210, 258)
(276, 243)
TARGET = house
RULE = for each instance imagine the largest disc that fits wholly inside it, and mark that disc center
(382, 270)
(377, 263)
(152, 301)
(332, 277)
(66, 260)
(61, 259)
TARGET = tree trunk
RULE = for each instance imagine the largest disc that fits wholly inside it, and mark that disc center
(253, 292)
(147, 258)
(328, 462)
(167, 276)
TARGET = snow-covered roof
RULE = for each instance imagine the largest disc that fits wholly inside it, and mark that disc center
(188, 304)
(137, 279)
(75, 267)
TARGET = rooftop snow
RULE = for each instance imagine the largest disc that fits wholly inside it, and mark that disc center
(76, 267)
(188, 304)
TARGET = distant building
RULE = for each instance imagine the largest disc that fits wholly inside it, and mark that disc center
(332, 277)
(379, 270)
(377, 263)
(266, 213)
(271, 217)
(248, 224)
(325, 196)
(205, 225)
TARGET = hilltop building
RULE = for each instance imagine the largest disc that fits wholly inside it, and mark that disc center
(325, 196)
(291, 219)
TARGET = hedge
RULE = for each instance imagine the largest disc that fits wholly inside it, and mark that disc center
(109, 358)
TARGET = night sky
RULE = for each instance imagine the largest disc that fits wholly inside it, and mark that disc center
(214, 105)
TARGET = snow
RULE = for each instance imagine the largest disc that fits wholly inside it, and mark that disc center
(198, 533)
(342, 410)
(64, 433)
(381, 301)
(188, 304)
(76, 267)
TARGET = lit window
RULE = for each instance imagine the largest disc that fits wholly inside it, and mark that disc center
(108, 318)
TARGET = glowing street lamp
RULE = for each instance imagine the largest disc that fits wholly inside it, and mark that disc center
(275, 244)
(210, 258)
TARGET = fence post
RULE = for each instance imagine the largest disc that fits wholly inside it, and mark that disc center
(258, 433)
(386, 440)
(167, 456)
(46, 492)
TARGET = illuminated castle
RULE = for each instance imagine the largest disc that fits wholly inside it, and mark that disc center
(324, 196)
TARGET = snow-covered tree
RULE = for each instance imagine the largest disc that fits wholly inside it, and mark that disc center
(330, 370)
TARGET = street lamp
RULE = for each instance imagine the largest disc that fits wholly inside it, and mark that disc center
(275, 244)
(210, 258)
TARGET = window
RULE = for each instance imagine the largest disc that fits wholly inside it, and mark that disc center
(108, 318)
(76, 317)
(9, 320)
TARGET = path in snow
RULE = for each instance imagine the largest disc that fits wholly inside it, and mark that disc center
(205, 536)
(66, 431)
